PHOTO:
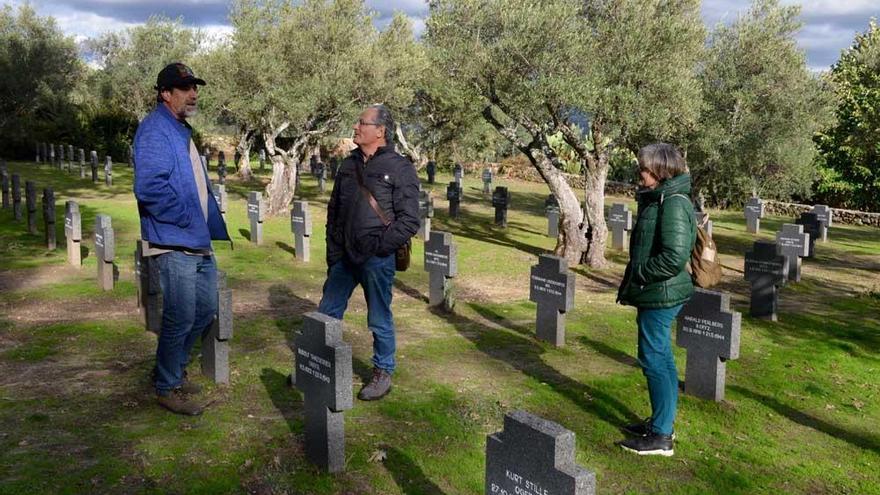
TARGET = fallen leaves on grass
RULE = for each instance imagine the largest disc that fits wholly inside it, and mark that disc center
(378, 455)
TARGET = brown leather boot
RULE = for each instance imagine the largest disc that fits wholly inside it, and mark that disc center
(378, 386)
(176, 403)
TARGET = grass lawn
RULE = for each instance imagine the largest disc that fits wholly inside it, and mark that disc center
(79, 416)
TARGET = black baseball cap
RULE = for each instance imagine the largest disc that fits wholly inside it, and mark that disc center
(177, 75)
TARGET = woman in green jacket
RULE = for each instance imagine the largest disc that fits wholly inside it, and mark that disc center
(657, 283)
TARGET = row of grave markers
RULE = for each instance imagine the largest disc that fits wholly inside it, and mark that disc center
(46, 154)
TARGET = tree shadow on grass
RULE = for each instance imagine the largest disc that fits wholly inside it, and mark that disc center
(476, 227)
(286, 247)
(410, 291)
(245, 233)
(871, 443)
(524, 354)
(610, 352)
(287, 400)
(408, 476)
(288, 309)
(605, 282)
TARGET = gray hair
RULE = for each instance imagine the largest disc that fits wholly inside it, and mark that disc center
(663, 160)
(384, 118)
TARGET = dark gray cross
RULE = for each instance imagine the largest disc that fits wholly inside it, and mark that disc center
(441, 263)
(487, 180)
(551, 209)
(552, 287)
(82, 163)
(105, 251)
(453, 194)
(149, 288)
(4, 188)
(710, 332)
(301, 226)
(754, 211)
(458, 174)
(426, 213)
(221, 167)
(16, 197)
(431, 170)
(703, 221)
(70, 158)
(766, 271)
(620, 219)
(215, 340)
(322, 177)
(501, 201)
(262, 159)
(794, 244)
(73, 232)
(324, 375)
(108, 171)
(255, 209)
(221, 197)
(61, 156)
(30, 193)
(825, 216)
(49, 217)
(52, 154)
(94, 156)
(812, 226)
(534, 456)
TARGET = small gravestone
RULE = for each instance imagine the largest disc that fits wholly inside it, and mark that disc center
(256, 210)
(108, 171)
(812, 226)
(73, 232)
(70, 158)
(710, 332)
(4, 189)
(426, 213)
(322, 177)
(766, 271)
(222, 198)
(324, 376)
(703, 221)
(794, 244)
(61, 161)
(215, 340)
(221, 167)
(501, 201)
(453, 194)
(301, 226)
(552, 287)
(82, 163)
(534, 456)
(30, 193)
(16, 197)
(620, 219)
(441, 263)
(94, 156)
(551, 209)
(52, 154)
(487, 180)
(49, 217)
(431, 170)
(458, 174)
(754, 211)
(149, 287)
(825, 216)
(105, 251)
(262, 159)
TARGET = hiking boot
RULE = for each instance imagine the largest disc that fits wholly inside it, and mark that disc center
(188, 387)
(650, 444)
(176, 403)
(378, 386)
(641, 429)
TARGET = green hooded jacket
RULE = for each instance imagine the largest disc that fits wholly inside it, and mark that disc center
(656, 276)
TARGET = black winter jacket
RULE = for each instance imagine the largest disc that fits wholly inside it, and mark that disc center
(354, 230)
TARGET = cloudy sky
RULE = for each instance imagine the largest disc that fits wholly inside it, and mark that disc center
(829, 25)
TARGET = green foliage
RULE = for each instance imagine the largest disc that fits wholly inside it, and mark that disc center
(850, 149)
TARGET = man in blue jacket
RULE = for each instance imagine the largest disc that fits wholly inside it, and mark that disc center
(179, 218)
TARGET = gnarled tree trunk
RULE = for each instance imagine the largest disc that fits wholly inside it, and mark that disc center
(415, 154)
(245, 142)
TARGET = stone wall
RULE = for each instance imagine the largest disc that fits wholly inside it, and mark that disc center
(794, 210)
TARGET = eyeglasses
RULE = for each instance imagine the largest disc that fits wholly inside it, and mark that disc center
(362, 122)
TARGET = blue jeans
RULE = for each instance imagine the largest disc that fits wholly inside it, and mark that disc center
(376, 276)
(189, 304)
(658, 364)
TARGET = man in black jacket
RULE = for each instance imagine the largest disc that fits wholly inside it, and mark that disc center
(373, 210)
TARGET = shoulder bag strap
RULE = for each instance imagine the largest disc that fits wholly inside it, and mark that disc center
(369, 195)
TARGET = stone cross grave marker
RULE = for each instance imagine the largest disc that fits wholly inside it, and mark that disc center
(431, 170)
(149, 287)
(52, 160)
(94, 157)
(710, 331)
(73, 232)
(487, 180)
(262, 159)
(16, 197)
(4, 188)
(534, 456)
(70, 158)
(324, 376)
(812, 226)
(794, 244)
(82, 163)
(754, 211)
(766, 271)
(49, 217)
(453, 194)
(322, 177)
(108, 170)
(441, 263)
(222, 198)
(61, 156)
(704, 221)
(426, 213)
(825, 216)
(458, 174)
(620, 219)
(105, 251)
(256, 209)
(552, 287)
(501, 201)
(551, 209)
(301, 226)
(215, 341)
(221, 167)
(30, 193)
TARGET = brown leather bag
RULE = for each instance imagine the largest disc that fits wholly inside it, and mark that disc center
(403, 254)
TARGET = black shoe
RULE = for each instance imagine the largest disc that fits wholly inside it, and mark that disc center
(650, 444)
(641, 429)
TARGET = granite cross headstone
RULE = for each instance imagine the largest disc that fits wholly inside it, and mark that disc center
(453, 194)
(61, 156)
(94, 156)
(30, 192)
(431, 170)
(487, 180)
(501, 201)
(215, 340)
(149, 287)
(70, 158)
(765, 270)
(812, 226)
(552, 287)
(551, 209)
(534, 456)
(52, 154)
(301, 226)
(458, 174)
(441, 263)
(710, 332)
(426, 213)
(105, 251)
(16, 197)
(222, 198)
(794, 244)
(754, 211)
(108, 171)
(825, 216)
(73, 232)
(620, 219)
(49, 217)
(256, 210)
(324, 376)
